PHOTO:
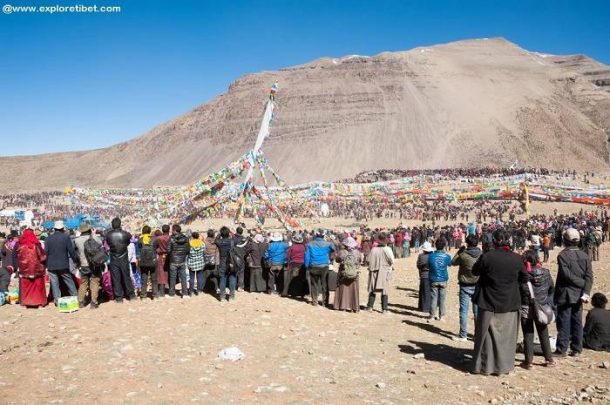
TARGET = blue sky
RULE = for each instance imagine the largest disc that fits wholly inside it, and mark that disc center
(81, 81)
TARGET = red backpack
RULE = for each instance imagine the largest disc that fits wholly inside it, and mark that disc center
(31, 261)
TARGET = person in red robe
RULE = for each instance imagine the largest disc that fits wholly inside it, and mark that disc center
(162, 243)
(29, 261)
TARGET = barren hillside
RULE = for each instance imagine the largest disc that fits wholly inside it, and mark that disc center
(467, 103)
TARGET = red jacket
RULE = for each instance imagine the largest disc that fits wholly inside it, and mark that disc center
(296, 253)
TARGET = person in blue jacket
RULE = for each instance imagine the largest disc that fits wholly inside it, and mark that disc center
(438, 262)
(318, 255)
(275, 255)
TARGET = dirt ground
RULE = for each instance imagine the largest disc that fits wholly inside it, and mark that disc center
(165, 351)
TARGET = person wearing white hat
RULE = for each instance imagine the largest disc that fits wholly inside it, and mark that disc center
(572, 288)
(59, 249)
(425, 296)
(276, 258)
(257, 250)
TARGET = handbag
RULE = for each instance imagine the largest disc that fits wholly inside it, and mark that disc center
(543, 313)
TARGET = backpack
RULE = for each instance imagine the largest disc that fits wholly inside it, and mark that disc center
(148, 256)
(94, 252)
(350, 267)
(590, 239)
(31, 260)
(237, 256)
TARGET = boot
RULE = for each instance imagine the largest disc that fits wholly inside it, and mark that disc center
(384, 304)
(369, 306)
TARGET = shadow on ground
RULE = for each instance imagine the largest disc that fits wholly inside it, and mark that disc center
(454, 357)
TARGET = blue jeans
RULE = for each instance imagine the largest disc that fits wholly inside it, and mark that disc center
(416, 244)
(177, 269)
(66, 277)
(438, 292)
(466, 295)
(198, 275)
(224, 274)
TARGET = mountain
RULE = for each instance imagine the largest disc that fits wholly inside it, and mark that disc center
(464, 104)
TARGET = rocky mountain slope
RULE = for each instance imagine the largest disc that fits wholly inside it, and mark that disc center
(467, 103)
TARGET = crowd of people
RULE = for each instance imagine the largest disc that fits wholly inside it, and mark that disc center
(372, 176)
(502, 275)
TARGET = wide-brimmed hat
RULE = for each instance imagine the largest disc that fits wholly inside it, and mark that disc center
(59, 225)
(297, 238)
(598, 228)
(258, 238)
(276, 237)
(350, 243)
(427, 247)
(84, 227)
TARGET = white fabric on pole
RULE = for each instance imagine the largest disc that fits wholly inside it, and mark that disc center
(263, 132)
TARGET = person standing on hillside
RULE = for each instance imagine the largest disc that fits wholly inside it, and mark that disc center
(572, 289)
(465, 258)
(91, 275)
(196, 263)
(30, 265)
(257, 249)
(225, 267)
(501, 272)
(380, 273)
(211, 260)
(318, 255)
(147, 262)
(276, 259)
(59, 250)
(439, 275)
(162, 242)
(177, 252)
(538, 290)
(240, 248)
(118, 240)
(423, 266)
(295, 283)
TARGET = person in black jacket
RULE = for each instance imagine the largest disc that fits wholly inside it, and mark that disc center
(241, 245)
(498, 299)
(177, 251)
(59, 249)
(424, 297)
(541, 284)
(597, 325)
(118, 240)
(225, 270)
(574, 282)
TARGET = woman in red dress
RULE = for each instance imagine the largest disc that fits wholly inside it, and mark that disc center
(29, 260)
